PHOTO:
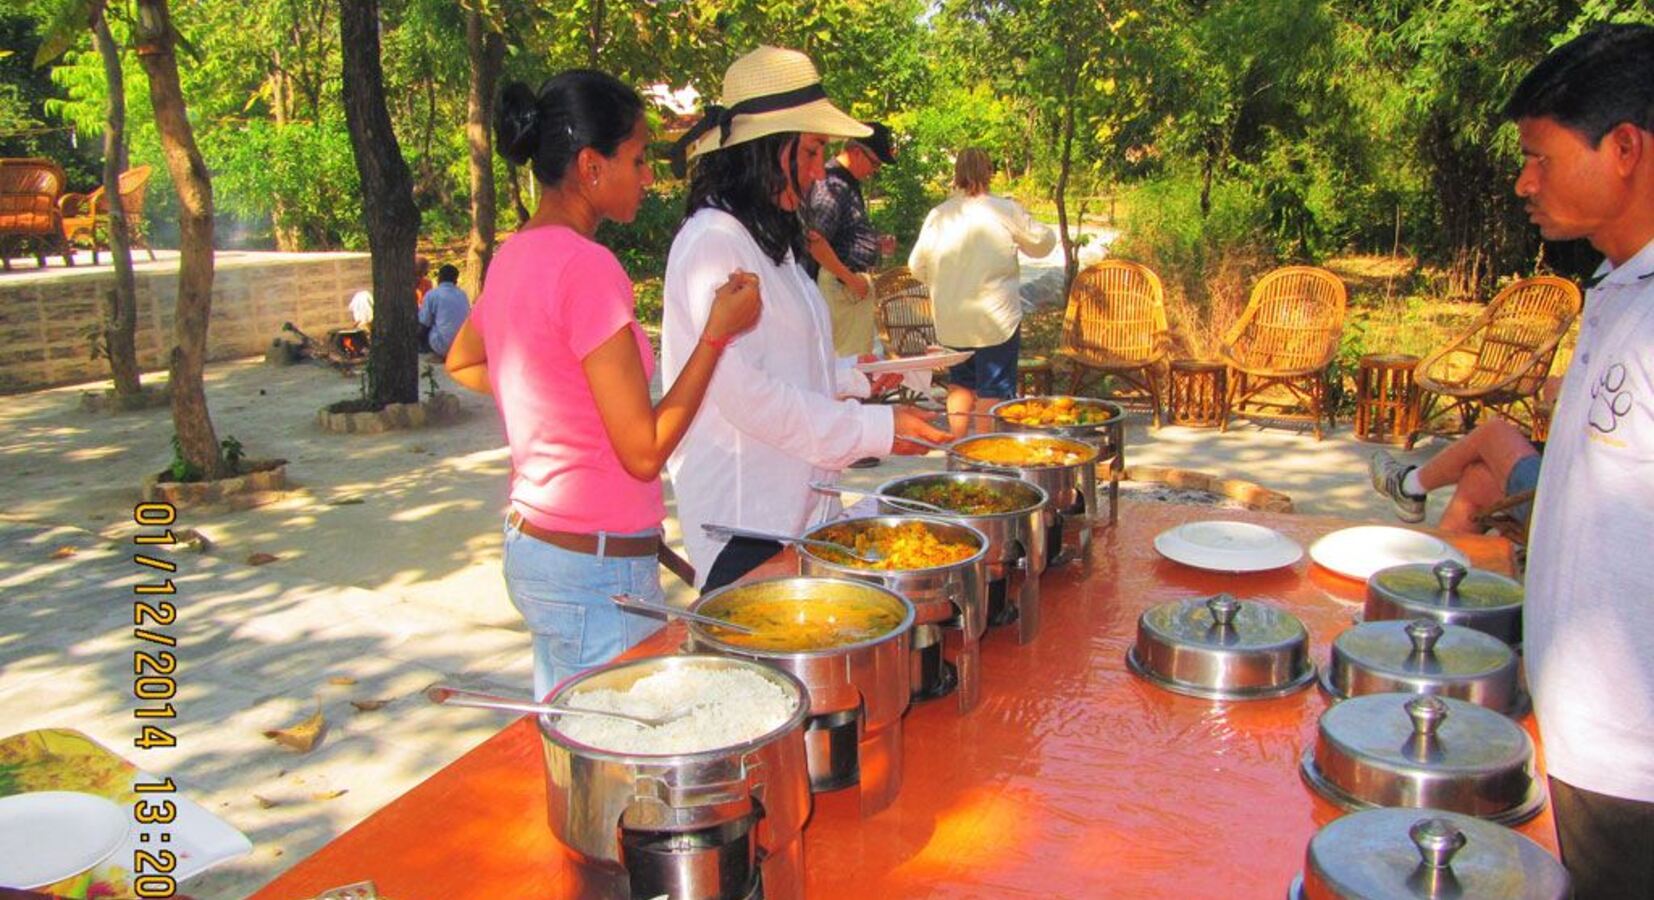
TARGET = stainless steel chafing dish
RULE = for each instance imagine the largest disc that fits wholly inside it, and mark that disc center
(1425, 657)
(1222, 648)
(1451, 594)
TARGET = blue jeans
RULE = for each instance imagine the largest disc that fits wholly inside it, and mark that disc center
(564, 598)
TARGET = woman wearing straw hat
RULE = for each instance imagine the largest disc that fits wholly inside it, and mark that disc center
(553, 322)
(773, 420)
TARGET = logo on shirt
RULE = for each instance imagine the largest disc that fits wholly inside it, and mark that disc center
(1611, 399)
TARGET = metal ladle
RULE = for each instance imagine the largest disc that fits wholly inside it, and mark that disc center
(627, 601)
(903, 501)
(726, 531)
(452, 696)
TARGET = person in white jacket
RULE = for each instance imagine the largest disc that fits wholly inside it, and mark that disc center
(967, 254)
(778, 413)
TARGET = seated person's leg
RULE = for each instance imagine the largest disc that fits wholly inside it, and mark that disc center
(1477, 490)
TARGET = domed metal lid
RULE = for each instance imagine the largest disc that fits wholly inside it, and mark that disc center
(1446, 584)
(1427, 853)
(1223, 648)
(1424, 751)
(1424, 656)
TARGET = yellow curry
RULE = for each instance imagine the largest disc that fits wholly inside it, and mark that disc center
(1010, 452)
(805, 623)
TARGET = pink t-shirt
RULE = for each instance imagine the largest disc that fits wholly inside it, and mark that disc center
(551, 297)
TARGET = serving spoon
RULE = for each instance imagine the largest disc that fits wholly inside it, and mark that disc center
(627, 601)
(726, 531)
(452, 696)
(901, 501)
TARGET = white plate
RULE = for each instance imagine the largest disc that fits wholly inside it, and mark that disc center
(1359, 552)
(940, 359)
(1228, 546)
(47, 836)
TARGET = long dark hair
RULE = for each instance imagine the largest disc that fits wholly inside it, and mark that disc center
(744, 181)
(575, 109)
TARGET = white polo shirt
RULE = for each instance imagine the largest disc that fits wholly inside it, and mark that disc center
(772, 420)
(1589, 613)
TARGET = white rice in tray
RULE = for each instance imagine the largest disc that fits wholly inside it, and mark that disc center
(727, 706)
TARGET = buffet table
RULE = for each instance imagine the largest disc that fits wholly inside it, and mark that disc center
(1073, 777)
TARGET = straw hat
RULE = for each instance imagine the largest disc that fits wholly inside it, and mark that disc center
(769, 91)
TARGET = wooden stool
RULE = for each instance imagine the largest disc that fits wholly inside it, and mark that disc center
(1386, 399)
(1197, 393)
(1033, 376)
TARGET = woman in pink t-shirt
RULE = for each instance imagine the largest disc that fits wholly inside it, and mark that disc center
(553, 337)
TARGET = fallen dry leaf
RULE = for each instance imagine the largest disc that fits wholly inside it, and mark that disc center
(259, 559)
(349, 501)
(342, 680)
(63, 552)
(329, 795)
(369, 705)
(302, 737)
(264, 803)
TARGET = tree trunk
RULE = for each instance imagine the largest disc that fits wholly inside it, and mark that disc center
(1070, 253)
(288, 238)
(120, 311)
(387, 201)
(486, 48)
(515, 186)
(190, 417)
(594, 46)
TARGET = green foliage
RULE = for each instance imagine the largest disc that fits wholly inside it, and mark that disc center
(233, 454)
(181, 469)
(300, 176)
(641, 243)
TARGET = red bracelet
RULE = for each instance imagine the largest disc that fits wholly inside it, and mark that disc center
(717, 343)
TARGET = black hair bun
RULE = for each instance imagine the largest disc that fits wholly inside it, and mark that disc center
(517, 123)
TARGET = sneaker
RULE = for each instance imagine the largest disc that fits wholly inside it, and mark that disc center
(1387, 473)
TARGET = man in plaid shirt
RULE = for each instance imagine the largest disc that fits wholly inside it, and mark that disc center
(843, 245)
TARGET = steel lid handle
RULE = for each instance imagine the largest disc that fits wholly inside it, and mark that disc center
(1449, 574)
(1437, 841)
(1223, 608)
(1427, 713)
(1424, 633)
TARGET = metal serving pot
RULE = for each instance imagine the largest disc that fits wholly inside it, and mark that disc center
(953, 596)
(1425, 657)
(1222, 649)
(1449, 593)
(1017, 534)
(1423, 751)
(1406, 853)
(741, 808)
(857, 691)
(1071, 487)
(1107, 436)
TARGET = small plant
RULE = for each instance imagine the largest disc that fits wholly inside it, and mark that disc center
(432, 386)
(182, 470)
(233, 454)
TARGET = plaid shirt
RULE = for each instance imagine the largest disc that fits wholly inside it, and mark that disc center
(839, 212)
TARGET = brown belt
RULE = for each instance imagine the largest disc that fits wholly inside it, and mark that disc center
(586, 543)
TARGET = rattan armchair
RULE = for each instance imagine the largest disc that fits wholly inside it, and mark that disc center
(1503, 359)
(87, 215)
(1115, 325)
(903, 314)
(1279, 350)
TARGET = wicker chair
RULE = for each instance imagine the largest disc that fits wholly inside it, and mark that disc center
(1279, 350)
(1115, 325)
(87, 215)
(29, 190)
(904, 315)
(1503, 359)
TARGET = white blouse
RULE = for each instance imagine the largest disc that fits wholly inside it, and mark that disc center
(967, 254)
(772, 420)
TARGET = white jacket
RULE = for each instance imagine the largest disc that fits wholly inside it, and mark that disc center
(967, 254)
(772, 421)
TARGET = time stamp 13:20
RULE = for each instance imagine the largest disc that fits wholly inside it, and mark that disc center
(154, 685)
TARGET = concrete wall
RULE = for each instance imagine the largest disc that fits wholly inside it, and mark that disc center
(45, 315)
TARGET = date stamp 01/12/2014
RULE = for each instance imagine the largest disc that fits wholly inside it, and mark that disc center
(154, 688)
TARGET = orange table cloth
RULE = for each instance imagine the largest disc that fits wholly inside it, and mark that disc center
(1073, 778)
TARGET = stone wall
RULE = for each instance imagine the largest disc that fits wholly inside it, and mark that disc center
(46, 315)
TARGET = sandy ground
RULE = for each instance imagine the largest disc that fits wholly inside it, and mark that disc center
(384, 579)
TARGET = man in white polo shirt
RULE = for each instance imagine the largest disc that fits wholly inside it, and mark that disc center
(1586, 119)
